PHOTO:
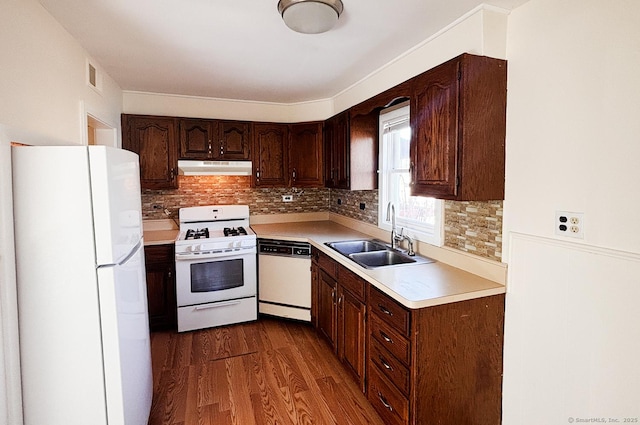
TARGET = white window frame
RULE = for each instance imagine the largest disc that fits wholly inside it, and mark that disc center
(433, 235)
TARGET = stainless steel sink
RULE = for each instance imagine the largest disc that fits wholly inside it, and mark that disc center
(381, 258)
(352, 247)
(371, 254)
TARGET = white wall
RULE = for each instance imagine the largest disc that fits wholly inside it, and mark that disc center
(43, 77)
(572, 338)
(45, 100)
(481, 31)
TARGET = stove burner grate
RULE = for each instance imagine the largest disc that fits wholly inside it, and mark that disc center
(232, 231)
(197, 234)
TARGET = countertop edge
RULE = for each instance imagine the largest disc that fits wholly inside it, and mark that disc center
(494, 288)
(361, 272)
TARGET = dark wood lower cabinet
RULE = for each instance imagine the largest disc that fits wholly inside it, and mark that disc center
(352, 334)
(327, 308)
(341, 314)
(434, 365)
(161, 286)
(444, 368)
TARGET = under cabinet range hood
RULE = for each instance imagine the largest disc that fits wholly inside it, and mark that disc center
(214, 168)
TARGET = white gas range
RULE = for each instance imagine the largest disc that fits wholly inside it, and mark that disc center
(216, 276)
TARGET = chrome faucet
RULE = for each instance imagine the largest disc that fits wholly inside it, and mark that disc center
(395, 237)
(391, 215)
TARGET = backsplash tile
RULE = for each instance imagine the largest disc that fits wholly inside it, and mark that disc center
(474, 227)
(350, 204)
(228, 190)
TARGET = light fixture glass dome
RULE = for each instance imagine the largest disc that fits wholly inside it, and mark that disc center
(310, 16)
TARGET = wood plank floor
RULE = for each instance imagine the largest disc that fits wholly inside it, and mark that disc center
(267, 372)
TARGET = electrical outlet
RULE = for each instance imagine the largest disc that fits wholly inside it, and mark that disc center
(570, 224)
(287, 198)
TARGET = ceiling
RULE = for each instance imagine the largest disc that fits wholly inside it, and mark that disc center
(241, 49)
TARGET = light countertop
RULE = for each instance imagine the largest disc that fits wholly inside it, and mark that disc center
(414, 285)
(159, 232)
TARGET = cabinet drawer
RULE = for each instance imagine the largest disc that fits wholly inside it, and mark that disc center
(390, 404)
(389, 366)
(390, 339)
(352, 282)
(390, 311)
(328, 264)
(162, 254)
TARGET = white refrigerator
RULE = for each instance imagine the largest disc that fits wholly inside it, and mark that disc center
(82, 301)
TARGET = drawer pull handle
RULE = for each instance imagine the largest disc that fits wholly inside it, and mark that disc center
(386, 337)
(385, 364)
(385, 310)
(216, 305)
(384, 402)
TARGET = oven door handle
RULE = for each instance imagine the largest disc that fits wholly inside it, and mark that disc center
(216, 305)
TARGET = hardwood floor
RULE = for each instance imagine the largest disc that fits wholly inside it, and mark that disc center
(267, 372)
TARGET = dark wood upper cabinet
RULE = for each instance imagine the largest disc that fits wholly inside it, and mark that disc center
(155, 140)
(458, 122)
(336, 151)
(270, 167)
(351, 151)
(234, 140)
(197, 137)
(214, 139)
(305, 155)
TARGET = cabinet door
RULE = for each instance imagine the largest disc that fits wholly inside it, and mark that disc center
(196, 138)
(234, 141)
(327, 308)
(154, 139)
(434, 138)
(315, 276)
(270, 155)
(337, 152)
(161, 293)
(352, 335)
(305, 155)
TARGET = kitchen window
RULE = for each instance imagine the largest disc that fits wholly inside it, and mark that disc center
(419, 217)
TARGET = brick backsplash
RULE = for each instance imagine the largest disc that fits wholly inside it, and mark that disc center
(347, 203)
(474, 227)
(228, 190)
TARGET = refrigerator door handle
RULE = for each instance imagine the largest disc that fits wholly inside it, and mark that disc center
(133, 252)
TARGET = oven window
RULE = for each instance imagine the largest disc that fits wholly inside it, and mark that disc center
(217, 275)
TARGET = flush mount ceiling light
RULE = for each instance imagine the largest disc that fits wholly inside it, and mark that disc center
(310, 16)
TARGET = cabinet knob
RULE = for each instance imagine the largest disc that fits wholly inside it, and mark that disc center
(294, 174)
(257, 173)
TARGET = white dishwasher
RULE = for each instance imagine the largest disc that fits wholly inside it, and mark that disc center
(284, 279)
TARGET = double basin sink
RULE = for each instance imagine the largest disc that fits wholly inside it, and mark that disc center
(372, 254)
